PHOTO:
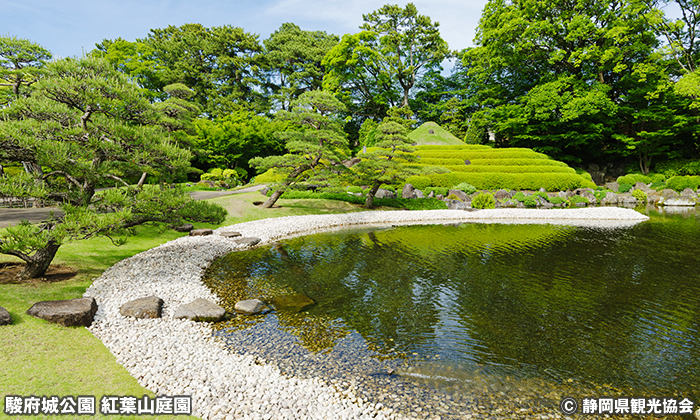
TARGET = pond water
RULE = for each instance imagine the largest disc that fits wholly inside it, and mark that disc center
(479, 318)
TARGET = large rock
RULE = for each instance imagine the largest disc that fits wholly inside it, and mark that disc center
(200, 310)
(250, 306)
(627, 199)
(407, 191)
(590, 196)
(247, 241)
(69, 313)
(184, 228)
(455, 205)
(669, 193)
(681, 201)
(231, 235)
(264, 191)
(418, 194)
(145, 307)
(292, 303)
(384, 193)
(5, 318)
(688, 192)
(201, 232)
(609, 199)
(460, 194)
(642, 186)
(502, 195)
(612, 186)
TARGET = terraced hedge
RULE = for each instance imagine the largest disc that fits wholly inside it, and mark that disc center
(491, 162)
(508, 181)
(534, 169)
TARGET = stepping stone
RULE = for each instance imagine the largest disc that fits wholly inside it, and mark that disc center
(146, 307)
(69, 313)
(201, 232)
(292, 303)
(5, 318)
(231, 234)
(250, 306)
(200, 310)
(184, 228)
(247, 241)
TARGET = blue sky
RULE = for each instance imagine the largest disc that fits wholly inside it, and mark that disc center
(66, 27)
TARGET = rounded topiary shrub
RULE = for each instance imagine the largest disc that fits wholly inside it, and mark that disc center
(530, 201)
(640, 195)
(467, 188)
(453, 197)
(484, 201)
(624, 188)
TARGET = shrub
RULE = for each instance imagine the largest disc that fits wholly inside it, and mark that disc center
(600, 195)
(354, 189)
(437, 190)
(679, 183)
(532, 169)
(418, 181)
(657, 178)
(520, 196)
(640, 195)
(657, 185)
(484, 201)
(556, 200)
(12, 170)
(510, 181)
(578, 199)
(530, 201)
(467, 188)
(633, 179)
(269, 177)
(426, 169)
(624, 188)
(453, 197)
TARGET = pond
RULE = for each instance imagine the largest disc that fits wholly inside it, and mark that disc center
(485, 319)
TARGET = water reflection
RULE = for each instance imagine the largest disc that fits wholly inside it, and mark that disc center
(480, 303)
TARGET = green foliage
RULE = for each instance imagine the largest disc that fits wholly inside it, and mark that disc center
(520, 196)
(467, 188)
(418, 182)
(633, 179)
(659, 185)
(600, 194)
(657, 178)
(640, 195)
(437, 190)
(623, 188)
(679, 183)
(293, 61)
(578, 199)
(406, 203)
(530, 201)
(453, 197)
(484, 201)
(21, 62)
(557, 200)
(354, 189)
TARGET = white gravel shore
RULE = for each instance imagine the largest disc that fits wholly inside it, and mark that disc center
(180, 357)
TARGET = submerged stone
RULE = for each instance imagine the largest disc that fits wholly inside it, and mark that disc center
(292, 303)
(249, 307)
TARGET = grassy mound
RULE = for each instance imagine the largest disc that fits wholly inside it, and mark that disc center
(439, 136)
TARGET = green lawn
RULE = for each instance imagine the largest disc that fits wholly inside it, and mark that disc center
(43, 359)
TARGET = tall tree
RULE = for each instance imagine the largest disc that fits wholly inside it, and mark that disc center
(317, 144)
(84, 126)
(20, 63)
(376, 69)
(553, 75)
(293, 61)
(220, 64)
(383, 165)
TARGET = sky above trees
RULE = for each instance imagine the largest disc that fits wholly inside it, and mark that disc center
(67, 27)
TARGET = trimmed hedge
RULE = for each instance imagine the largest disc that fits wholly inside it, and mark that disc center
(419, 182)
(483, 154)
(269, 177)
(455, 147)
(511, 169)
(514, 181)
(489, 162)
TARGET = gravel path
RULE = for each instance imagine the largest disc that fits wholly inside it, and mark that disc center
(180, 357)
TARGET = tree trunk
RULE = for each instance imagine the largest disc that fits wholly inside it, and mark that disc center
(370, 196)
(38, 263)
(273, 198)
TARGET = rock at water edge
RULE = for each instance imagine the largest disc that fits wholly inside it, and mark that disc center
(250, 306)
(200, 310)
(292, 303)
(146, 307)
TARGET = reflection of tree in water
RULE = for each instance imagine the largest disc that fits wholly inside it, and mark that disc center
(595, 307)
(609, 306)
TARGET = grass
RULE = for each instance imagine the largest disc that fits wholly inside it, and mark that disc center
(43, 359)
